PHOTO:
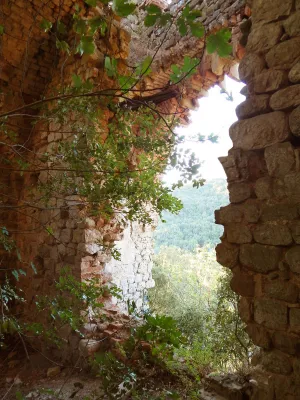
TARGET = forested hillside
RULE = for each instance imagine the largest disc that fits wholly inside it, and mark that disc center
(194, 226)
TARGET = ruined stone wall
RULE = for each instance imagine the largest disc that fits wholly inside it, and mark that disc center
(261, 237)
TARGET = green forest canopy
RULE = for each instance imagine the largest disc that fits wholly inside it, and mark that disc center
(194, 226)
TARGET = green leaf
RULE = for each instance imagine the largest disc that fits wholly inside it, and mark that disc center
(144, 68)
(193, 15)
(182, 27)
(186, 11)
(164, 19)
(45, 25)
(150, 20)
(153, 9)
(63, 46)
(123, 8)
(77, 82)
(19, 255)
(33, 268)
(218, 42)
(197, 30)
(1, 29)
(96, 23)
(16, 274)
(110, 64)
(80, 26)
(61, 27)
(126, 82)
(86, 45)
(91, 3)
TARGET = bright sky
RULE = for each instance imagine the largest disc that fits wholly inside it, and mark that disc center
(214, 115)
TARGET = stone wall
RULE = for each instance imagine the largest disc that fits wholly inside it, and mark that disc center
(261, 237)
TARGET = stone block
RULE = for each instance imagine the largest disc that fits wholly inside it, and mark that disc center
(238, 233)
(260, 131)
(295, 320)
(65, 235)
(294, 74)
(286, 98)
(259, 258)
(294, 121)
(270, 80)
(92, 236)
(292, 185)
(245, 309)
(275, 212)
(227, 254)
(78, 235)
(259, 335)
(253, 106)
(228, 214)
(263, 188)
(239, 192)
(251, 65)
(292, 24)
(271, 313)
(263, 37)
(295, 229)
(273, 234)
(280, 159)
(277, 362)
(292, 257)
(286, 342)
(89, 346)
(284, 55)
(267, 10)
(242, 283)
(281, 290)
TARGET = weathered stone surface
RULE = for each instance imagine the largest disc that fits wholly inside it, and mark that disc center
(264, 37)
(269, 80)
(273, 234)
(286, 98)
(284, 55)
(260, 258)
(292, 185)
(251, 211)
(275, 212)
(295, 230)
(228, 214)
(238, 233)
(280, 159)
(227, 254)
(89, 346)
(280, 290)
(295, 319)
(267, 10)
(242, 283)
(294, 121)
(277, 362)
(65, 235)
(259, 132)
(285, 342)
(245, 309)
(251, 65)
(294, 74)
(292, 257)
(254, 105)
(259, 335)
(292, 24)
(263, 188)
(239, 192)
(271, 313)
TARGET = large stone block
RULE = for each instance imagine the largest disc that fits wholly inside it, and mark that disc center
(259, 335)
(286, 98)
(251, 65)
(292, 24)
(242, 283)
(286, 342)
(228, 214)
(267, 10)
(294, 121)
(238, 233)
(239, 192)
(260, 132)
(269, 80)
(295, 229)
(245, 308)
(275, 212)
(292, 257)
(263, 188)
(295, 319)
(277, 362)
(281, 290)
(252, 106)
(271, 313)
(259, 258)
(294, 74)
(264, 37)
(284, 55)
(227, 254)
(280, 159)
(273, 234)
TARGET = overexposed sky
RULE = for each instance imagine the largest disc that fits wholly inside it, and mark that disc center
(214, 115)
